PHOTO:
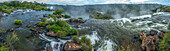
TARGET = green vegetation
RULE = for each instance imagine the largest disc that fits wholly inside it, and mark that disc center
(18, 22)
(8, 7)
(62, 29)
(2, 30)
(85, 43)
(66, 16)
(44, 19)
(101, 16)
(58, 12)
(75, 39)
(42, 24)
(10, 40)
(164, 44)
(61, 34)
(125, 49)
(80, 18)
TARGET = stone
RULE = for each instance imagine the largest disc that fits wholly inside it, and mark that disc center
(11, 29)
(150, 43)
(34, 26)
(153, 32)
(49, 48)
(37, 31)
(51, 33)
(71, 46)
(28, 26)
(142, 35)
(161, 34)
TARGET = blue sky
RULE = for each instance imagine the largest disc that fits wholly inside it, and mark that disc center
(85, 2)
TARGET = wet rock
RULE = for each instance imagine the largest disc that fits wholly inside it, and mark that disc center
(44, 15)
(34, 26)
(161, 34)
(51, 33)
(150, 43)
(142, 35)
(70, 46)
(37, 31)
(49, 48)
(28, 26)
(22, 13)
(153, 32)
(11, 29)
(56, 46)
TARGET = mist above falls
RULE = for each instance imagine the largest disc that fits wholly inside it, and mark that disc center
(115, 10)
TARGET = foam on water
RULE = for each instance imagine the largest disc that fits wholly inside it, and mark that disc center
(94, 37)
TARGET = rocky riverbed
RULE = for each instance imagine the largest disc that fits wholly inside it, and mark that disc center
(104, 34)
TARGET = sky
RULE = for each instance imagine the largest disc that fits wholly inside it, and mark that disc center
(86, 2)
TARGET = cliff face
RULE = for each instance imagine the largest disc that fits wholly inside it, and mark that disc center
(115, 10)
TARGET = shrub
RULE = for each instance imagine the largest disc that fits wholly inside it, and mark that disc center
(41, 24)
(83, 47)
(19, 22)
(53, 28)
(50, 15)
(44, 19)
(76, 20)
(87, 41)
(66, 16)
(164, 43)
(61, 34)
(75, 39)
(50, 22)
(90, 47)
(80, 18)
(74, 31)
(101, 16)
(7, 11)
(58, 12)
(83, 38)
(63, 23)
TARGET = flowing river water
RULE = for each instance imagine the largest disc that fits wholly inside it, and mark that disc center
(105, 35)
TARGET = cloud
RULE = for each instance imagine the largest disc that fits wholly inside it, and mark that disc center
(82, 2)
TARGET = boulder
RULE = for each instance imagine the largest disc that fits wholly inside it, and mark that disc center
(11, 29)
(153, 32)
(51, 33)
(71, 46)
(37, 31)
(161, 34)
(49, 48)
(28, 26)
(34, 26)
(150, 43)
(142, 35)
